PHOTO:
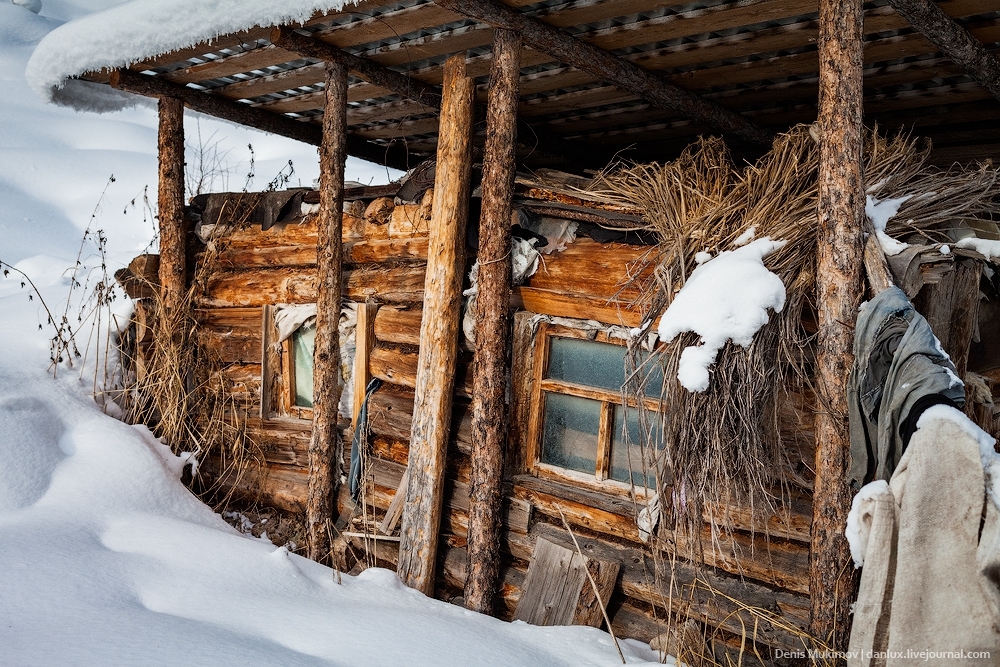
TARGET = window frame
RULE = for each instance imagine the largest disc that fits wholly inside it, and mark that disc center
(609, 400)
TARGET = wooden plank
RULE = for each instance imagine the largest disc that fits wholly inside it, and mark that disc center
(951, 308)
(435, 374)
(556, 587)
(364, 338)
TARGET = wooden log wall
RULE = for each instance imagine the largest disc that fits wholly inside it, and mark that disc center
(385, 250)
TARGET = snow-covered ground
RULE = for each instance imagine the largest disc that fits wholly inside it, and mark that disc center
(105, 558)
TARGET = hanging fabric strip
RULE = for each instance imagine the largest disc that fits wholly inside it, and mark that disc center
(360, 438)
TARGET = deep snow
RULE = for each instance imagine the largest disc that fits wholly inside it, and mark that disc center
(105, 558)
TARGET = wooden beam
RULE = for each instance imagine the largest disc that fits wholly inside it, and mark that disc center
(324, 447)
(372, 72)
(438, 332)
(492, 363)
(840, 261)
(954, 40)
(605, 66)
(170, 212)
(418, 91)
(243, 114)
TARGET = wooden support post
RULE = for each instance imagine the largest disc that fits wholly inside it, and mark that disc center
(324, 448)
(364, 337)
(956, 42)
(492, 363)
(438, 331)
(170, 211)
(840, 254)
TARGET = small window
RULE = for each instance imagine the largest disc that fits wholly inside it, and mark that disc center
(582, 418)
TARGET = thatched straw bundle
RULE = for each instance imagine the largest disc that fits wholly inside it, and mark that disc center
(722, 447)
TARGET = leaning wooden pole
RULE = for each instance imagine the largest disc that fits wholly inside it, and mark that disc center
(170, 211)
(324, 447)
(840, 262)
(438, 332)
(492, 360)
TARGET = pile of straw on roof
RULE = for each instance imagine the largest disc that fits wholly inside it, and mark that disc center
(722, 446)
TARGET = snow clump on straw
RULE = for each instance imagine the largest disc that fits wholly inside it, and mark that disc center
(726, 298)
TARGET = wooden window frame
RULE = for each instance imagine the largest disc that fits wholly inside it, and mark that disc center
(608, 399)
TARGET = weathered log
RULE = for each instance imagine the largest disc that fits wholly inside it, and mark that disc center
(841, 210)
(398, 326)
(370, 71)
(951, 307)
(170, 211)
(439, 331)
(260, 287)
(602, 270)
(608, 67)
(491, 363)
(244, 114)
(956, 42)
(400, 368)
(391, 415)
(325, 447)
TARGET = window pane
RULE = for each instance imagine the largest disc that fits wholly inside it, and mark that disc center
(570, 438)
(598, 365)
(627, 460)
(303, 342)
(586, 362)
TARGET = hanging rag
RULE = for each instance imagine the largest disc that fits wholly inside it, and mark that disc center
(359, 439)
(900, 369)
(930, 541)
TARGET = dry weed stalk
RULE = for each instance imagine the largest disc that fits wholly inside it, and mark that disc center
(179, 387)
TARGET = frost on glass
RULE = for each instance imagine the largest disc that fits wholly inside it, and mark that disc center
(598, 365)
(303, 344)
(570, 438)
(629, 460)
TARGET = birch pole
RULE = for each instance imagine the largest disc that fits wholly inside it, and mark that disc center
(435, 382)
(492, 361)
(324, 446)
(840, 262)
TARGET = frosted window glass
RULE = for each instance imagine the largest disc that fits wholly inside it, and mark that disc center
(303, 344)
(586, 362)
(627, 460)
(570, 439)
(597, 365)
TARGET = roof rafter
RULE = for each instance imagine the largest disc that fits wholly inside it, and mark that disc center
(243, 114)
(956, 42)
(608, 67)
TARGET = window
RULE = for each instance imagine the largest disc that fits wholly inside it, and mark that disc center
(579, 418)
(300, 353)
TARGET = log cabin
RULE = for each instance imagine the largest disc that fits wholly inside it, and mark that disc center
(495, 467)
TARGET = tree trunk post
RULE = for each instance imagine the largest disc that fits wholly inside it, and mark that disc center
(324, 447)
(170, 210)
(439, 330)
(492, 362)
(840, 263)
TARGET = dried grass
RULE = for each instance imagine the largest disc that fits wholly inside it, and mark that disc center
(182, 391)
(722, 447)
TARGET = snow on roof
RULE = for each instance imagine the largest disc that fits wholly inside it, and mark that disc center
(141, 29)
